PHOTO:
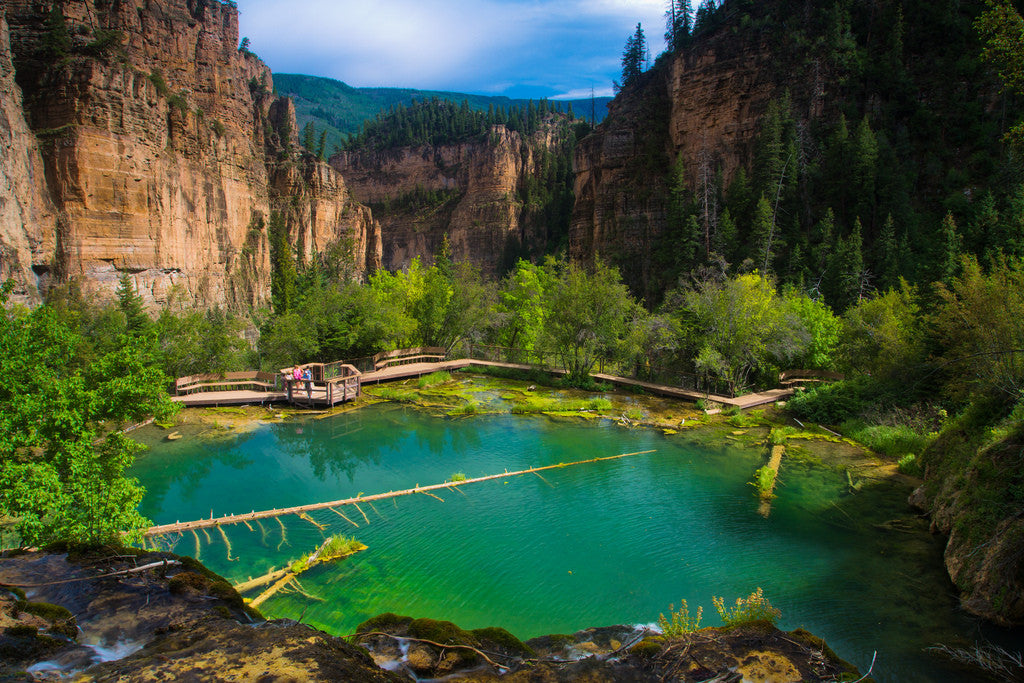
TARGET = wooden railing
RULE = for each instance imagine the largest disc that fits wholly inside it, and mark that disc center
(228, 381)
(417, 354)
(788, 378)
(544, 360)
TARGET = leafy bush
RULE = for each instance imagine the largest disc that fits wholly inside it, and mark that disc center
(755, 607)
(458, 476)
(908, 464)
(832, 403)
(681, 622)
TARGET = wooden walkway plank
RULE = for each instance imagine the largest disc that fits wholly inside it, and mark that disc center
(319, 398)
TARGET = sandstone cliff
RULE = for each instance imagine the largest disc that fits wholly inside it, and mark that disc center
(164, 150)
(474, 192)
(703, 105)
(27, 218)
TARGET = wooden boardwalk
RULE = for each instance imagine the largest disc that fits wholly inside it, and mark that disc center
(411, 370)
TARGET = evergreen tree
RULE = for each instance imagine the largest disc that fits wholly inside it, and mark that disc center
(948, 259)
(678, 24)
(846, 279)
(56, 40)
(762, 234)
(704, 18)
(282, 265)
(130, 303)
(634, 56)
(309, 137)
(888, 256)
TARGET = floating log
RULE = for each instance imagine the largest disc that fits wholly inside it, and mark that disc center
(264, 514)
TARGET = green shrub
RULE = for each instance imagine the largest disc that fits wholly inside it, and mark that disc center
(681, 622)
(157, 78)
(458, 476)
(753, 608)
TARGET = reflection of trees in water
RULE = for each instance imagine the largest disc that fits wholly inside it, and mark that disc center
(190, 466)
(367, 436)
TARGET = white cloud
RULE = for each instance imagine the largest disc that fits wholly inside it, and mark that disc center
(476, 45)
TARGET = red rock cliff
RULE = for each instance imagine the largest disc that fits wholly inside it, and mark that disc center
(164, 151)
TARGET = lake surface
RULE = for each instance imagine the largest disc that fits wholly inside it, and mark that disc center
(592, 545)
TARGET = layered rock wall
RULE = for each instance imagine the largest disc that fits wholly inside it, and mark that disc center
(162, 150)
(469, 192)
(27, 220)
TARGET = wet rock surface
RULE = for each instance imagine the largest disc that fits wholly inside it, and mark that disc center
(425, 648)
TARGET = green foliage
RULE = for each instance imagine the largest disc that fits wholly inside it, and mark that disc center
(538, 404)
(434, 379)
(1001, 27)
(980, 324)
(156, 77)
(458, 476)
(106, 43)
(56, 39)
(883, 336)
(282, 265)
(894, 441)
(764, 482)
(634, 57)
(680, 622)
(909, 464)
(753, 608)
(595, 311)
(130, 303)
(61, 466)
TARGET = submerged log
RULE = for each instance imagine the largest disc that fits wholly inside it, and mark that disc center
(774, 463)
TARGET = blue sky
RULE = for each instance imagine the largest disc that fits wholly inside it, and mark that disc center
(519, 48)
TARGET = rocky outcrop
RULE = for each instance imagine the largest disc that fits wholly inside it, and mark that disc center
(702, 106)
(164, 150)
(972, 492)
(471, 192)
(27, 220)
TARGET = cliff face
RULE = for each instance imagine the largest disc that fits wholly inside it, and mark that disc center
(703, 106)
(471, 191)
(26, 216)
(164, 151)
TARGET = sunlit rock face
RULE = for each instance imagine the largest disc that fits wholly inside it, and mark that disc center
(164, 156)
(477, 204)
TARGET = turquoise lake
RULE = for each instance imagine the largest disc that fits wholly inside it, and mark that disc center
(592, 545)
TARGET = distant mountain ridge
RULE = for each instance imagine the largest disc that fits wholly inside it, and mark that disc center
(340, 109)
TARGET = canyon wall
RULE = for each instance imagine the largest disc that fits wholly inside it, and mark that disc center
(471, 191)
(165, 152)
(703, 106)
(27, 218)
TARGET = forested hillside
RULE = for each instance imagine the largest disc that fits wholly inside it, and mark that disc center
(868, 146)
(338, 110)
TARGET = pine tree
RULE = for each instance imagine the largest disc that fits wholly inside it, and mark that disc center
(762, 235)
(678, 24)
(888, 256)
(633, 56)
(282, 265)
(948, 259)
(130, 303)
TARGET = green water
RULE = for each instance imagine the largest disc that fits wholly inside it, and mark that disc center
(598, 544)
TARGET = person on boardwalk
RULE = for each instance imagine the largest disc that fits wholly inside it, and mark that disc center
(308, 376)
